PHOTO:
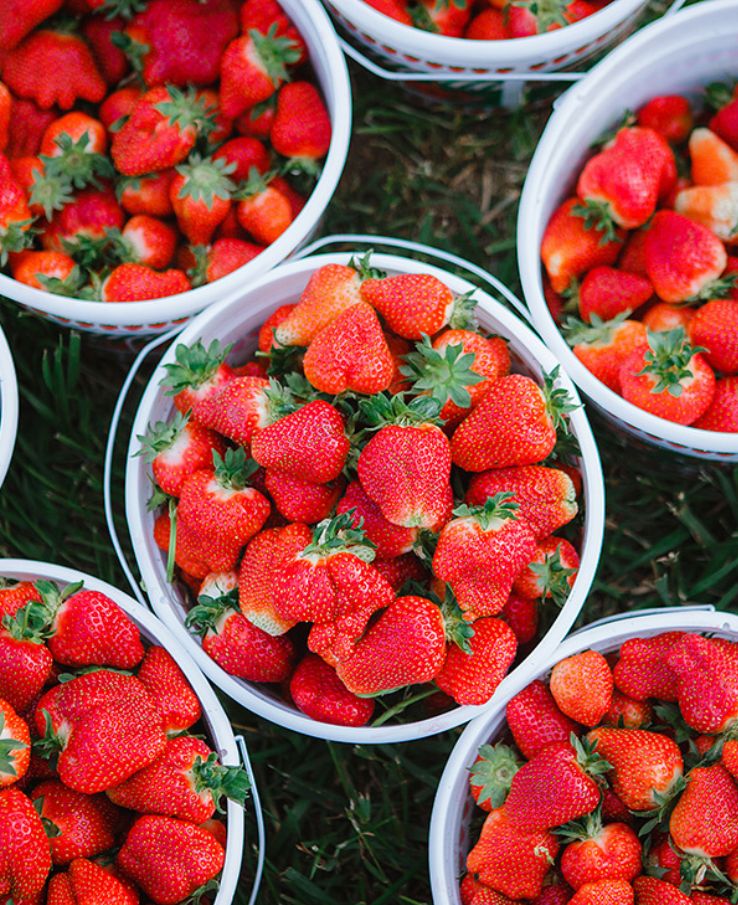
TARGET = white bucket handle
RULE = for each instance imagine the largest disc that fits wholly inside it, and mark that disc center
(427, 250)
(653, 611)
(260, 825)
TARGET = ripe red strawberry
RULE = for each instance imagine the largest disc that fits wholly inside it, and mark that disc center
(196, 374)
(481, 552)
(627, 713)
(646, 766)
(514, 424)
(136, 283)
(472, 677)
(239, 406)
(76, 76)
(15, 215)
(201, 196)
(177, 449)
(663, 316)
(170, 690)
(670, 115)
(389, 540)
(99, 33)
(414, 304)
(302, 124)
(722, 413)
(405, 646)
(582, 687)
(25, 861)
(237, 646)
(29, 124)
(318, 692)
(607, 292)
(18, 18)
(302, 501)
(15, 745)
(705, 819)
(546, 496)
(664, 862)
(488, 25)
(715, 327)
(253, 67)
(605, 892)
(149, 241)
(79, 826)
(350, 354)
(400, 570)
(186, 548)
(14, 596)
(683, 258)
(643, 670)
(447, 17)
(224, 256)
(264, 210)
(6, 111)
(186, 781)
(522, 615)
(90, 216)
(668, 378)
(244, 153)
(25, 661)
(147, 194)
(555, 894)
(551, 573)
(703, 898)
(535, 720)
(510, 860)
(706, 673)
(725, 120)
(596, 852)
(118, 106)
(395, 9)
(603, 346)
(257, 122)
(406, 466)
(263, 15)
(491, 775)
(570, 249)
(652, 891)
(456, 369)
(169, 859)
(160, 132)
(555, 786)
(87, 883)
(184, 40)
(35, 268)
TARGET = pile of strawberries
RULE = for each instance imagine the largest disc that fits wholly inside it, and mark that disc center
(487, 20)
(107, 795)
(639, 264)
(617, 784)
(150, 146)
(373, 502)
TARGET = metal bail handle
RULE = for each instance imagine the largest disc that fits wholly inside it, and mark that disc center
(259, 815)
(419, 248)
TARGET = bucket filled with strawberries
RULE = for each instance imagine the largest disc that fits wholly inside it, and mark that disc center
(609, 777)
(361, 494)
(627, 234)
(158, 154)
(120, 780)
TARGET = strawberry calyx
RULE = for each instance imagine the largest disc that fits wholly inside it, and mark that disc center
(597, 215)
(283, 360)
(558, 402)
(339, 535)
(135, 51)
(464, 312)
(597, 332)
(493, 773)
(567, 451)
(496, 510)
(664, 803)
(255, 184)
(198, 896)
(719, 94)
(186, 110)
(363, 266)
(695, 870)
(49, 192)
(592, 763)
(283, 399)
(51, 743)
(75, 284)
(382, 410)
(8, 749)
(14, 236)
(588, 827)
(53, 598)
(220, 781)
(207, 612)
(553, 577)
(78, 166)
(50, 828)
(233, 470)
(161, 435)
(458, 630)
(442, 375)
(668, 358)
(547, 13)
(275, 53)
(198, 273)
(30, 623)
(125, 9)
(206, 179)
(194, 365)
(716, 289)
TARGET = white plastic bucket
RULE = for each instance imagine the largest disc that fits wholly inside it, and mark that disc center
(219, 729)
(453, 808)
(159, 315)
(238, 321)
(679, 55)
(8, 407)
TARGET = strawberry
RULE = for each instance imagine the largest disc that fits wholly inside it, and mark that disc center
(605, 892)
(595, 852)
(664, 862)
(706, 673)
(25, 661)
(510, 860)
(178, 449)
(237, 646)
(224, 256)
(725, 121)
(257, 122)
(118, 106)
(456, 369)
(309, 443)
(6, 110)
(607, 292)
(472, 677)
(149, 241)
(15, 745)
(253, 67)
(400, 570)
(302, 501)
(78, 826)
(15, 215)
(87, 883)
(627, 713)
(414, 304)
(263, 210)
(488, 25)
(169, 859)
(100, 34)
(646, 766)
(705, 819)
(405, 646)
(633, 256)
(318, 692)
(201, 196)
(186, 781)
(535, 720)
(519, 415)
(683, 258)
(86, 219)
(713, 160)
(389, 540)
(14, 596)
(263, 14)
(395, 9)
(170, 690)
(702, 898)
(302, 124)
(79, 129)
(184, 40)
(663, 316)
(25, 861)
(76, 76)
(406, 466)
(29, 124)
(447, 17)
(713, 206)
(244, 153)
(569, 248)
(160, 132)
(34, 268)
(652, 891)
(480, 553)
(582, 687)
(491, 775)
(643, 670)
(715, 327)
(603, 346)
(545, 496)
(147, 194)
(551, 573)
(668, 378)
(557, 785)
(555, 894)
(350, 354)
(238, 407)
(137, 283)
(522, 615)
(670, 115)
(19, 17)
(722, 413)
(196, 373)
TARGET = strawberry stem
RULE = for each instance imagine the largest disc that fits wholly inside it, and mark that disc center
(597, 215)
(233, 470)
(553, 577)
(442, 375)
(340, 535)
(194, 366)
(668, 359)
(221, 781)
(496, 509)
(161, 435)
(494, 772)
(8, 749)
(204, 616)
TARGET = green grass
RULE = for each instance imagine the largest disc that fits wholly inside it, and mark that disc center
(348, 826)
